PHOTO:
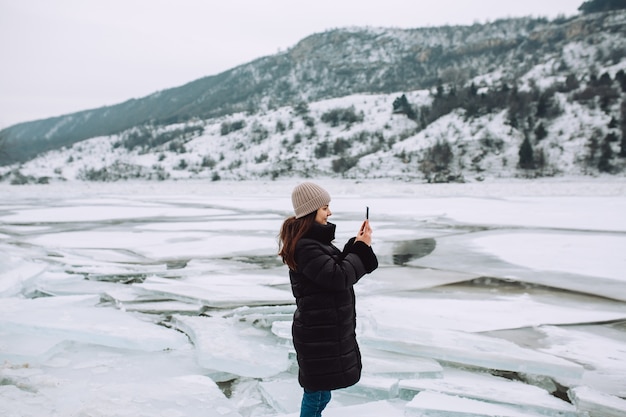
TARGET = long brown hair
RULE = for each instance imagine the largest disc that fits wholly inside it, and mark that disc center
(290, 233)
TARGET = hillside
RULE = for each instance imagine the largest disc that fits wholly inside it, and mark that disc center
(516, 97)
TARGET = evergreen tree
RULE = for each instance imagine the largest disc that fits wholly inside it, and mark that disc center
(593, 6)
(399, 104)
(543, 105)
(440, 90)
(280, 126)
(526, 155)
(622, 151)
(620, 77)
(301, 108)
(606, 154)
(436, 162)
(571, 83)
(519, 104)
(540, 159)
(3, 145)
(321, 150)
(593, 146)
(540, 132)
(402, 106)
(473, 90)
(605, 80)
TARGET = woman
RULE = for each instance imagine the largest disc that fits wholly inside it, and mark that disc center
(322, 277)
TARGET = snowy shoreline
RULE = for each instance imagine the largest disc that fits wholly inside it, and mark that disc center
(564, 186)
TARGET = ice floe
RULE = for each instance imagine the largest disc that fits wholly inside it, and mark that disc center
(148, 300)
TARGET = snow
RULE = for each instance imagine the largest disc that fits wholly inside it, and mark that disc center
(150, 299)
(383, 144)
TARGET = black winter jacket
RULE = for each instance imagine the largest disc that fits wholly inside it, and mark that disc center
(324, 322)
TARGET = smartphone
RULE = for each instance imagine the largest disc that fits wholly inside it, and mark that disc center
(367, 212)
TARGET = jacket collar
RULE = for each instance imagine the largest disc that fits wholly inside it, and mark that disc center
(324, 233)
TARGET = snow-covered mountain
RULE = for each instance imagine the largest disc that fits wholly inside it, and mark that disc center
(518, 97)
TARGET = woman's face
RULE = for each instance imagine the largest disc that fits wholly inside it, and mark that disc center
(322, 215)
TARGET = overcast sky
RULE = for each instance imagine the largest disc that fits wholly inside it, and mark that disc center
(62, 56)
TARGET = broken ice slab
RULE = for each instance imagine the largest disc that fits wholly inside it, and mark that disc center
(227, 345)
(124, 294)
(235, 276)
(57, 283)
(163, 307)
(12, 280)
(489, 388)
(597, 404)
(375, 387)
(434, 404)
(103, 256)
(216, 295)
(14, 272)
(282, 329)
(263, 316)
(78, 318)
(226, 225)
(394, 279)
(499, 254)
(158, 245)
(177, 245)
(470, 349)
(28, 403)
(129, 298)
(591, 254)
(185, 395)
(97, 259)
(396, 365)
(19, 347)
(484, 310)
(600, 349)
(283, 395)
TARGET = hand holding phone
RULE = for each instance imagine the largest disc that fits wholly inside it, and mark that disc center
(365, 223)
(365, 233)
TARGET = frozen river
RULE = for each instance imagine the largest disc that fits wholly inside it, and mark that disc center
(168, 299)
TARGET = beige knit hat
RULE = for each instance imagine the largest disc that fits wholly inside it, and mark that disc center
(307, 198)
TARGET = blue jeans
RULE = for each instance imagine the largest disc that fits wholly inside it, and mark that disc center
(313, 403)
